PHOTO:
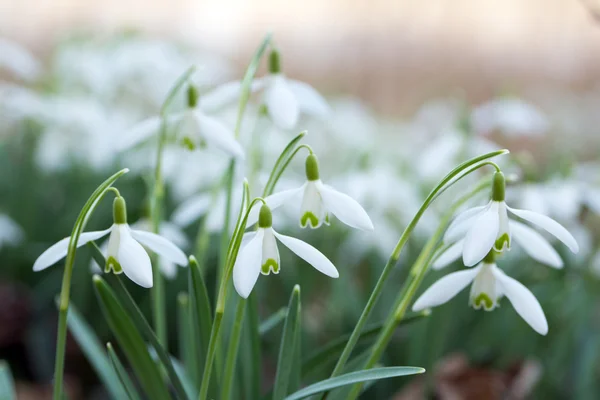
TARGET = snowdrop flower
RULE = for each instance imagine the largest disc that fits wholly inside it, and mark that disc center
(318, 200)
(283, 98)
(194, 129)
(18, 60)
(10, 232)
(260, 255)
(488, 227)
(125, 252)
(489, 284)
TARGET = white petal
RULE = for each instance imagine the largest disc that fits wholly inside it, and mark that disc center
(273, 201)
(450, 255)
(226, 94)
(524, 302)
(445, 288)
(191, 209)
(161, 246)
(133, 259)
(309, 100)
(312, 204)
(281, 103)
(59, 249)
(214, 132)
(247, 265)
(345, 208)
(482, 235)
(309, 254)
(459, 227)
(139, 132)
(535, 245)
(167, 268)
(270, 252)
(550, 225)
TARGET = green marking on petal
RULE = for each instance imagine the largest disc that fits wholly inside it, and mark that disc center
(502, 243)
(268, 266)
(327, 221)
(483, 301)
(112, 264)
(188, 143)
(311, 218)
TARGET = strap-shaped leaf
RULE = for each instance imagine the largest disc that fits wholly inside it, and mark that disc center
(201, 316)
(94, 352)
(271, 322)
(122, 374)
(131, 341)
(354, 377)
(287, 349)
(7, 386)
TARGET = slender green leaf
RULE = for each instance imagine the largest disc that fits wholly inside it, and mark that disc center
(131, 342)
(94, 352)
(354, 377)
(332, 350)
(287, 348)
(122, 374)
(201, 315)
(232, 350)
(251, 355)
(190, 388)
(271, 322)
(133, 311)
(7, 386)
(188, 352)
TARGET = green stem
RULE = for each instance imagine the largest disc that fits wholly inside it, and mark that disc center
(63, 307)
(158, 291)
(396, 255)
(232, 350)
(417, 273)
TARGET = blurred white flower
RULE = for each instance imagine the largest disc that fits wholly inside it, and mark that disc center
(10, 233)
(124, 253)
(512, 117)
(18, 60)
(489, 284)
(17, 102)
(259, 254)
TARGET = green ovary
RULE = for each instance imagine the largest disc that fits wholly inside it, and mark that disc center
(309, 217)
(270, 265)
(483, 300)
(188, 143)
(112, 264)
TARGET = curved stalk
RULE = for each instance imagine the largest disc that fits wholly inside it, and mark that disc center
(448, 180)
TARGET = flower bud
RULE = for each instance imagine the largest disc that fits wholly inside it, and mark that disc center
(498, 186)
(192, 96)
(274, 62)
(312, 168)
(119, 211)
(265, 219)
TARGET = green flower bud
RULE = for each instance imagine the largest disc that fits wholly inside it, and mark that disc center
(192, 96)
(265, 219)
(312, 168)
(119, 211)
(498, 187)
(274, 62)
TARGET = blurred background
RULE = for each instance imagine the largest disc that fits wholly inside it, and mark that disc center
(414, 87)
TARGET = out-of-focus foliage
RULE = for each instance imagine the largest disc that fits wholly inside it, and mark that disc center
(61, 122)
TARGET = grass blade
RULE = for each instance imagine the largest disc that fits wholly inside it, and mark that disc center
(187, 341)
(272, 321)
(94, 352)
(287, 348)
(122, 374)
(201, 316)
(131, 342)
(352, 378)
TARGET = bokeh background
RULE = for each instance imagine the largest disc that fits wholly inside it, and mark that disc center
(415, 88)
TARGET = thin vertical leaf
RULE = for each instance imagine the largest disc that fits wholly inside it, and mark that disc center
(131, 342)
(201, 316)
(94, 352)
(287, 349)
(251, 357)
(271, 322)
(122, 374)
(187, 341)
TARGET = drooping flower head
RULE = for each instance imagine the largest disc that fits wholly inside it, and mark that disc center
(124, 253)
(317, 200)
(259, 254)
